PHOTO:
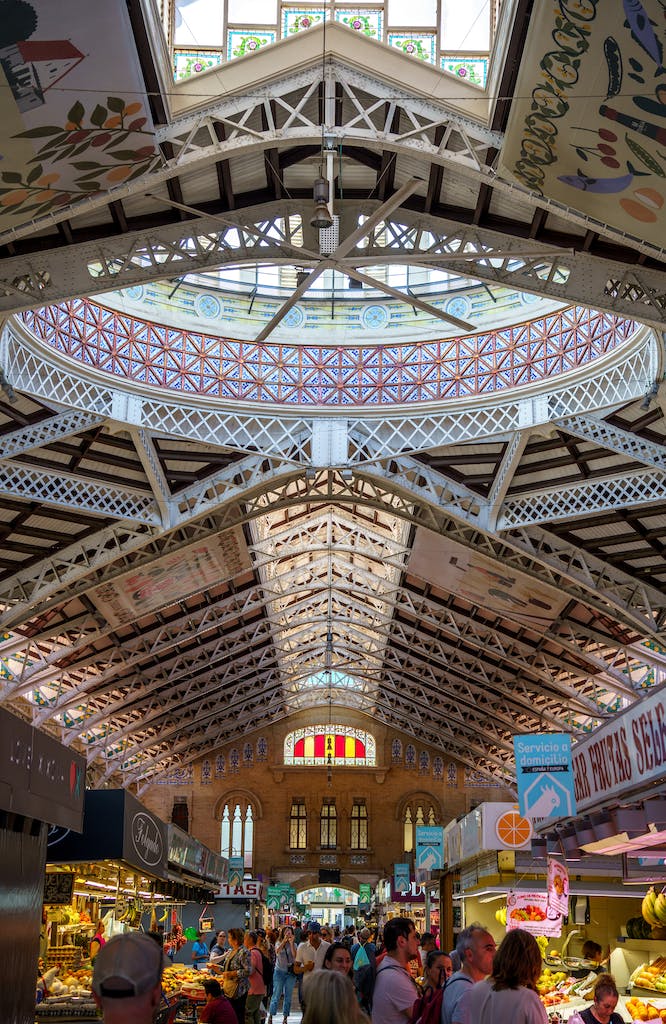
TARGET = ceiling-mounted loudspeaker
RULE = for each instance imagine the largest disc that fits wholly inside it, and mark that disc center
(603, 826)
(321, 218)
(301, 277)
(585, 832)
(570, 847)
(539, 849)
(322, 215)
(630, 820)
(655, 812)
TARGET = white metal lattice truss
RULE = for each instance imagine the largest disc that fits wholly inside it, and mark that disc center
(318, 515)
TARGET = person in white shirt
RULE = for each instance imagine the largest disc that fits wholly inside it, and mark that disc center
(395, 990)
(310, 954)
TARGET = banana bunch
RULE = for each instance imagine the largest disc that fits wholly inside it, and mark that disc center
(653, 908)
(500, 916)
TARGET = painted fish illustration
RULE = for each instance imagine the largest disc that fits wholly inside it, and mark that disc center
(604, 186)
(643, 32)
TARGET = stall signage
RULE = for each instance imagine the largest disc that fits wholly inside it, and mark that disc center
(40, 778)
(287, 894)
(413, 892)
(558, 886)
(236, 870)
(401, 877)
(144, 840)
(249, 889)
(364, 893)
(218, 868)
(544, 775)
(58, 888)
(147, 839)
(273, 896)
(185, 852)
(529, 911)
(628, 751)
(429, 850)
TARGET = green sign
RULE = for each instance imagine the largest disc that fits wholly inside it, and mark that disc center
(273, 894)
(365, 894)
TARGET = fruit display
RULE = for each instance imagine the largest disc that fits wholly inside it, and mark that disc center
(641, 1010)
(651, 976)
(653, 909)
(500, 916)
(553, 986)
(638, 928)
(61, 981)
(180, 978)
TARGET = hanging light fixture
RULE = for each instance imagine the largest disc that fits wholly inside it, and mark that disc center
(321, 192)
(322, 215)
(328, 659)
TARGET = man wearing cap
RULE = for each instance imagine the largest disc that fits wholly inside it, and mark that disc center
(310, 955)
(127, 979)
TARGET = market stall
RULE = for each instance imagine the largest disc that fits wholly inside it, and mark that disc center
(126, 869)
(42, 787)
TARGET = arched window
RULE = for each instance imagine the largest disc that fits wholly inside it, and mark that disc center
(298, 825)
(417, 811)
(328, 838)
(341, 745)
(237, 831)
(358, 839)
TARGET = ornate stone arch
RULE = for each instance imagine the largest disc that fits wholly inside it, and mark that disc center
(419, 796)
(237, 795)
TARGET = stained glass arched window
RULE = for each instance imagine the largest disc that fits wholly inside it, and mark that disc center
(330, 744)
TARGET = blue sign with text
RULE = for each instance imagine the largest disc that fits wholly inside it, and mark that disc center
(544, 775)
(429, 849)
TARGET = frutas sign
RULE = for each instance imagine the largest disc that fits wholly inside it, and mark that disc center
(626, 753)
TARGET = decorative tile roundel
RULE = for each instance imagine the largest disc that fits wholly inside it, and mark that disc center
(375, 317)
(294, 317)
(208, 306)
(459, 306)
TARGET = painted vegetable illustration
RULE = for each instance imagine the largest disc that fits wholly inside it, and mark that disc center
(614, 64)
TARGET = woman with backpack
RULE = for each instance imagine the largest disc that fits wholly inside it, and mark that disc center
(256, 983)
(428, 1007)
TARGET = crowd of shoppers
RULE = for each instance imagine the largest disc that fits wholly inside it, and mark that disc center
(412, 980)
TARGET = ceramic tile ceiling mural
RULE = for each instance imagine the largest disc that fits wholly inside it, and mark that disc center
(588, 125)
(72, 104)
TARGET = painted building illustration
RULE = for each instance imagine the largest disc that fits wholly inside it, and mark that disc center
(31, 68)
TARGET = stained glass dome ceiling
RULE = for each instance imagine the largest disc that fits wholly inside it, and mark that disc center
(196, 518)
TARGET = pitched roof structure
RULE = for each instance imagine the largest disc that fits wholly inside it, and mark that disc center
(438, 497)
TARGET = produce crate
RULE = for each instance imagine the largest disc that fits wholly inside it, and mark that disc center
(67, 1010)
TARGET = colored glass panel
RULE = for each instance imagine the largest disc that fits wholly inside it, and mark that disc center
(296, 19)
(415, 44)
(367, 22)
(470, 69)
(175, 360)
(240, 43)
(343, 745)
(192, 62)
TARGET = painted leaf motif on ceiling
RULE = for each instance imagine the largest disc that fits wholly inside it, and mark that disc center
(73, 106)
(588, 124)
